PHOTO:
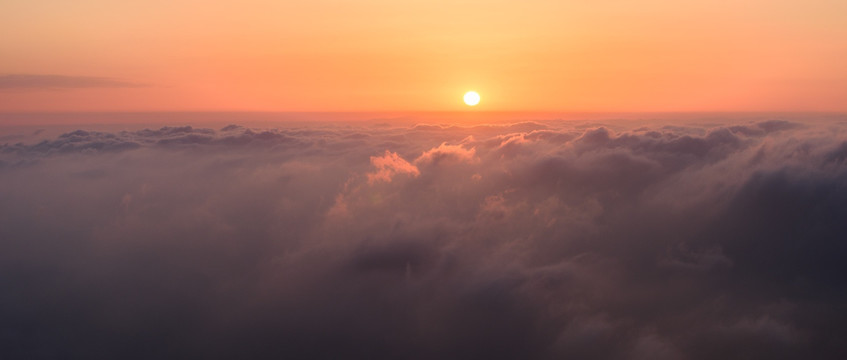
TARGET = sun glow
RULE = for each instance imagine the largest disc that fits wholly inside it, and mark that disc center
(471, 98)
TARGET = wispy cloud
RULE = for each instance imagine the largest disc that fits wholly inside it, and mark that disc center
(51, 81)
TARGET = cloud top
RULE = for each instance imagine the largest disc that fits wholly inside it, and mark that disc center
(389, 165)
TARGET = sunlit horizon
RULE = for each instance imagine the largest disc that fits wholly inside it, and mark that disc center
(380, 55)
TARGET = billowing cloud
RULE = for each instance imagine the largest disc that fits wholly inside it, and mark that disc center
(446, 153)
(389, 165)
(50, 81)
(532, 240)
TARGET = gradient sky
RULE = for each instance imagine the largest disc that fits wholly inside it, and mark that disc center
(385, 55)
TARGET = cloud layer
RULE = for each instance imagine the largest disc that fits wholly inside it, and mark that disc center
(535, 240)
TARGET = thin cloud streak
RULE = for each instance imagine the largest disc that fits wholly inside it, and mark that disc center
(50, 81)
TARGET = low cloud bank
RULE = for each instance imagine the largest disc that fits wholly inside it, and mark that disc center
(525, 241)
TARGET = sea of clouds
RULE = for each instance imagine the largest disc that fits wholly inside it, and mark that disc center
(531, 240)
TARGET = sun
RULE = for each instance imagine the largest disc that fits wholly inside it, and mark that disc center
(471, 98)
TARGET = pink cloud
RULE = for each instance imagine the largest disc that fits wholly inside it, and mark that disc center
(389, 165)
(449, 153)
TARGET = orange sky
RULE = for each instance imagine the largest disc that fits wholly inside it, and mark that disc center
(416, 55)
